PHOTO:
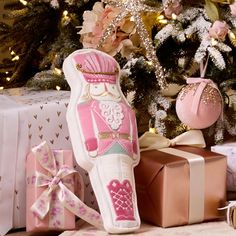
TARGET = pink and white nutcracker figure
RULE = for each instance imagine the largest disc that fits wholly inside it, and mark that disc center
(104, 136)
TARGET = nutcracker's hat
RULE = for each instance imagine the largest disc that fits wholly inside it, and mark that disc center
(97, 67)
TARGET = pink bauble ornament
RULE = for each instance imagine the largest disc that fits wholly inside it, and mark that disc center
(199, 104)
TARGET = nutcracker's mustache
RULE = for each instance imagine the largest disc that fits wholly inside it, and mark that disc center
(105, 94)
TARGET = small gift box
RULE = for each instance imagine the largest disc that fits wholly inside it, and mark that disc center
(49, 173)
(50, 199)
(181, 185)
(229, 150)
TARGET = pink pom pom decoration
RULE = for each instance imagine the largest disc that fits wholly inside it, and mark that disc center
(199, 104)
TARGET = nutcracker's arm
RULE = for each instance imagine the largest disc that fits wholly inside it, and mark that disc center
(87, 127)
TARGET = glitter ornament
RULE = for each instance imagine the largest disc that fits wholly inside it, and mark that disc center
(135, 8)
(199, 104)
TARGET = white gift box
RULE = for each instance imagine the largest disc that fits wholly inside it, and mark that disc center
(229, 150)
(28, 117)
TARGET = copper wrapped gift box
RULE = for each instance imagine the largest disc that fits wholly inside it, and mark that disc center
(169, 195)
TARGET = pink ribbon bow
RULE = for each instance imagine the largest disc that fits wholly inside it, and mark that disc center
(57, 193)
(203, 83)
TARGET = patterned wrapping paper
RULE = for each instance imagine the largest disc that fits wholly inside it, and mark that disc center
(27, 117)
(229, 150)
(58, 217)
(89, 196)
(55, 191)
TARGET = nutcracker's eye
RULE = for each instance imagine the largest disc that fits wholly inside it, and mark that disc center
(96, 89)
(113, 89)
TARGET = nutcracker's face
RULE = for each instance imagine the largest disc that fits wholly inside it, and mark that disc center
(105, 92)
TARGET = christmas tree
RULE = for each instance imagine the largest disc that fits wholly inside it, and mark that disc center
(158, 44)
(39, 35)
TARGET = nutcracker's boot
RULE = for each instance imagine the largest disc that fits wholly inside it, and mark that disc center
(103, 133)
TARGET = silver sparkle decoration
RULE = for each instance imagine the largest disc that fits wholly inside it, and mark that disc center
(134, 8)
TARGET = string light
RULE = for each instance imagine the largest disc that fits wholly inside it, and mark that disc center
(213, 42)
(160, 17)
(152, 130)
(189, 36)
(16, 58)
(164, 21)
(1, 88)
(8, 79)
(58, 88)
(149, 63)
(151, 125)
(173, 16)
(65, 17)
(58, 71)
(6, 72)
(23, 2)
(65, 13)
(232, 35)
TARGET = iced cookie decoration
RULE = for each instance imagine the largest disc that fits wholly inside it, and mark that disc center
(103, 132)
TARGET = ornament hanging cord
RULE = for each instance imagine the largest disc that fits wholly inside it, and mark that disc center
(203, 83)
(203, 67)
